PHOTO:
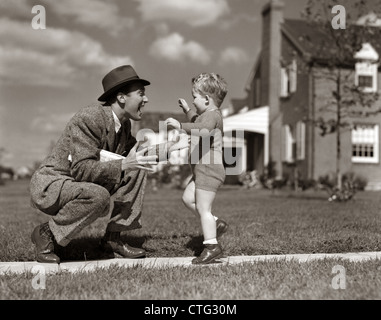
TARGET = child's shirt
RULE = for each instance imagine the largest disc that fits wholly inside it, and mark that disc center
(206, 133)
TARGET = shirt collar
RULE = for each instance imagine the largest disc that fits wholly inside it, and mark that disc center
(116, 121)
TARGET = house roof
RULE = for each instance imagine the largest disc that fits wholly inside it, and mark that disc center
(313, 40)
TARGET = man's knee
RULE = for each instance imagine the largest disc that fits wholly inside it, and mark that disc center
(101, 200)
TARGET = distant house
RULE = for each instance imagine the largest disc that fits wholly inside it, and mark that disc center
(282, 94)
(22, 172)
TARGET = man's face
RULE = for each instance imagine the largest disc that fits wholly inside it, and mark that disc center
(135, 99)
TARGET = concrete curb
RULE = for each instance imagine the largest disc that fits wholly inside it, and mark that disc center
(86, 266)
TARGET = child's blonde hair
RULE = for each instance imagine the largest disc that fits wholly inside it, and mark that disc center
(211, 84)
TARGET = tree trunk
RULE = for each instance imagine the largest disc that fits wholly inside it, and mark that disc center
(338, 158)
(338, 133)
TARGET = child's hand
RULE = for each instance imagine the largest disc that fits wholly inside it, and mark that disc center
(173, 123)
(184, 105)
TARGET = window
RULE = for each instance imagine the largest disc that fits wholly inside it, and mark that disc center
(366, 68)
(294, 142)
(366, 76)
(366, 81)
(288, 82)
(365, 143)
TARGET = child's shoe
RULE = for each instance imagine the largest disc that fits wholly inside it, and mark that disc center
(210, 254)
(222, 227)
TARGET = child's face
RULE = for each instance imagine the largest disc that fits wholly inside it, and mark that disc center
(199, 102)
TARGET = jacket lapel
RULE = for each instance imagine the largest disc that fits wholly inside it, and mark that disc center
(110, 128)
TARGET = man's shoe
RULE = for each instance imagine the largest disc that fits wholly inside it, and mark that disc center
(42, 237)
(111, 242)
(210, 254)
(222, 227)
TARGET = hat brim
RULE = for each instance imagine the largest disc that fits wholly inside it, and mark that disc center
(106, 95)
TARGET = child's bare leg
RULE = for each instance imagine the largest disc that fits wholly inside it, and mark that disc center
(204, 201)
(212, 250)
(189, 197)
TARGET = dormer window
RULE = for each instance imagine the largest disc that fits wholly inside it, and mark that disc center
(366, 68)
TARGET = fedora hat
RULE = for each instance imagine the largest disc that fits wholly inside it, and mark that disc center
(118, 78)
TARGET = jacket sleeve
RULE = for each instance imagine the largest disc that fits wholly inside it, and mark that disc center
(85, 145)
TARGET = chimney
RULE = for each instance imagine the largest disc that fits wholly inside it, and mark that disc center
(272, 18)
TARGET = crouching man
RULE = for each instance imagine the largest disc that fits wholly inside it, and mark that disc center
(74, 187)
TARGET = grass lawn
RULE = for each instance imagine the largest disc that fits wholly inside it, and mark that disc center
(261, 222)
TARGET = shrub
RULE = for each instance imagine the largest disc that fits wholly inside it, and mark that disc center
(351, 183)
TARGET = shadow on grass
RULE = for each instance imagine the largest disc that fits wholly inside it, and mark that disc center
(87, 248)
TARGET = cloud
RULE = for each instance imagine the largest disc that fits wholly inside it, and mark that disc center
(194, 13)
(91, 13)
(103, 15)
(174, 48)
(238, 18)
(233, 55)
(18, 8)
(50, 123)
(52, 57)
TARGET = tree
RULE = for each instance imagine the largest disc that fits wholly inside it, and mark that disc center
(339, 38)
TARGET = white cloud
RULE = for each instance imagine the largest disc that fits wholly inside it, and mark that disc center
(233, 55)
(101, 14)
(194, 13)
(174, 48)
(52, 57)
(92, 13)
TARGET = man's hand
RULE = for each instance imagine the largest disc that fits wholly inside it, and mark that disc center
(173, 123)
(136, 160)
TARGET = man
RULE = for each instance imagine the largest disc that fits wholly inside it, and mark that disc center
(74, 186)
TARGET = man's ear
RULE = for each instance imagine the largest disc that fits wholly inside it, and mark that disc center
(120, 97)
(207, 99)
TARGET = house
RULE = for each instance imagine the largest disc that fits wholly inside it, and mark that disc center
(286, 95)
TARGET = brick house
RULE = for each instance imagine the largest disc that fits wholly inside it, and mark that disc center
(282, 93)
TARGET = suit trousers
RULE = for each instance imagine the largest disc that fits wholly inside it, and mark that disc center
(81, 203)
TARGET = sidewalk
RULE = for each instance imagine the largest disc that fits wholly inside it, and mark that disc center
(75, 266)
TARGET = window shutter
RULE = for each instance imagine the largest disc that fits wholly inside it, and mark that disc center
(300, 140)
(284, 83)
(287, 144)
(293, 74)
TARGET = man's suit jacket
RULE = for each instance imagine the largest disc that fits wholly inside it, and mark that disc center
(87, 133)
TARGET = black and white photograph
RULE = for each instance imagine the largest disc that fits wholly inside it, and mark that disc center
(189, 157)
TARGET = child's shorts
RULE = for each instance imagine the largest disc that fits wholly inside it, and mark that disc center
(208, 177)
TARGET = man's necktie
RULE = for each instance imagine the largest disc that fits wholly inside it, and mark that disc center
(118, 137)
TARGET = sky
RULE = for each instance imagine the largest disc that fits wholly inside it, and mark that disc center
(46, 75)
